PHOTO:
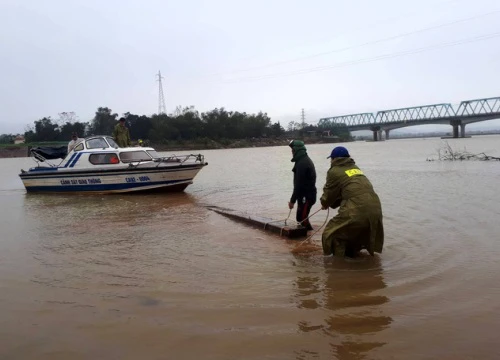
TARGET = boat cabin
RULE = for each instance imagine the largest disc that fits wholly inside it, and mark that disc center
(100, 151)
(104, 151)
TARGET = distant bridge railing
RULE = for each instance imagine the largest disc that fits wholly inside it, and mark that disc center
(349, 120)
(478, 108)
(426, 112)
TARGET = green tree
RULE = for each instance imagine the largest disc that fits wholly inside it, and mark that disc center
(44, 130)
(186, 123)
(103, 122)
(276, 129)
(7, 139)
(139, 125)
(161, 129)
(68, 129)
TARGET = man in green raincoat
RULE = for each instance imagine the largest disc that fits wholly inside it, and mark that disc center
(121, 134)
(358, 224)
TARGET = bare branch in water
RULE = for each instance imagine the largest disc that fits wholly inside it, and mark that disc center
(446, 153)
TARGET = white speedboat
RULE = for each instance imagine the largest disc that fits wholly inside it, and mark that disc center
(97, 164)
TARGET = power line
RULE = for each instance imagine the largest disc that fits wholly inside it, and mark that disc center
(363, 44)
(387, 20)
(366, 60)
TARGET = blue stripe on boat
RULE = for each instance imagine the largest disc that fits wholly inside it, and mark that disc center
(43, 169)
(76, 159)
(71, 158)
(125, 171)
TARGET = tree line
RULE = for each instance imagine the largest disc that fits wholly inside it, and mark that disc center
(183, 124)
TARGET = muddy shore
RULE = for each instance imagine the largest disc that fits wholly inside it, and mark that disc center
(14, 152)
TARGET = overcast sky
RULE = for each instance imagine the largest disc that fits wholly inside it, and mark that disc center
(278, 56)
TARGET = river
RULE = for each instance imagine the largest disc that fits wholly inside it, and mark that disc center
(162, 277)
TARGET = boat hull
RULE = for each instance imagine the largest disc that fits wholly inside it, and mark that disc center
(156, 179)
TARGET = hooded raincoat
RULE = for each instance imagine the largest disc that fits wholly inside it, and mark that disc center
(358, 224)
(304, 182)
(304, 174)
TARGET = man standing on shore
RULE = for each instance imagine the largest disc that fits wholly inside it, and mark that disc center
(304, 183)
(121, 134)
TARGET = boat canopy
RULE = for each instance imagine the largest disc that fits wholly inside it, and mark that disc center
(43, 153)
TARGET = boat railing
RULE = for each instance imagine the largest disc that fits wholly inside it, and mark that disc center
(182, 158)
(178, 159)
(38, 158)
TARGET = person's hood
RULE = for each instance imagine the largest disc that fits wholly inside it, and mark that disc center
(299, 150)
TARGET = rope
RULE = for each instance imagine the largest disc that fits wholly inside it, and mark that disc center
(314, 233)
(307, 218)
(285, 220)
(310, 216)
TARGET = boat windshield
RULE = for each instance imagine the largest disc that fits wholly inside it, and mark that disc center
(97, 143)
(130, 156)
(112, 143)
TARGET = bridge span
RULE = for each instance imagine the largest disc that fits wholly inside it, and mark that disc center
(469, 111)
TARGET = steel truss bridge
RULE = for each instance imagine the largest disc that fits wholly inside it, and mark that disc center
(469, 111)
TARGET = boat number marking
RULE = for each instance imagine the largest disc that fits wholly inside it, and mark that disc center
(92, 181)
(139, 179)
(81, 181)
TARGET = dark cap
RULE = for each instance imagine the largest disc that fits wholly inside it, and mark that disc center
(122, 119)
(339, 152)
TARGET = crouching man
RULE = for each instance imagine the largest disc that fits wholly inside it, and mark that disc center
(358, 224)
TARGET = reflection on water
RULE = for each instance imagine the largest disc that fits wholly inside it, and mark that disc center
(344, 296)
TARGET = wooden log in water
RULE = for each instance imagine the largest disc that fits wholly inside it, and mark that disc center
(289, 230)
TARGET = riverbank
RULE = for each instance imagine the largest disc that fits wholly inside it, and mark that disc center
(13, 151)
(22, 150)
(208, 144)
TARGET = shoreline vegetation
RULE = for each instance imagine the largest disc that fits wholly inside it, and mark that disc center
(22, 150)
(183, 130)
(209, 144)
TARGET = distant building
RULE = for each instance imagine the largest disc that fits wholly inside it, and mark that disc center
(19, 139)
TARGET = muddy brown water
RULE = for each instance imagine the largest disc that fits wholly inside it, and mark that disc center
(163, 277)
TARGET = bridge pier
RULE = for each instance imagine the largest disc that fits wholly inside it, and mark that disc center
(455, 131)
(377, 132)
(377, 135)
(387, 134)
(462, 130)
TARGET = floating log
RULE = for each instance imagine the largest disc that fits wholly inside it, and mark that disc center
(292, 231)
